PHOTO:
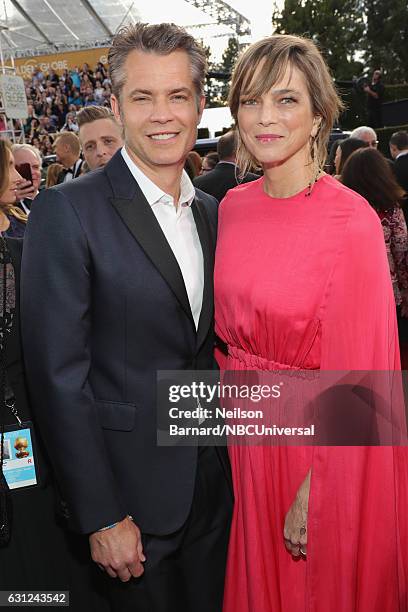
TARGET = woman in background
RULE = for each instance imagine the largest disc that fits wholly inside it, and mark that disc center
(344, 150)
(368, 173)
(53, 172)
(209, 162)
(12, 219)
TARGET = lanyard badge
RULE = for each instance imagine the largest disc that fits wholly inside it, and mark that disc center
(19, 456)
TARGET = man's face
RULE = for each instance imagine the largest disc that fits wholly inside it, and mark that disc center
(376, 76)
(370, 137)
(394, 151)
(24, 156)
(158, 110)
(100, 140)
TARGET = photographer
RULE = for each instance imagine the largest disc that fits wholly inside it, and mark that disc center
(375, 93)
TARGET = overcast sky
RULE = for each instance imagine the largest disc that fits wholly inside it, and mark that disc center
(259, 12)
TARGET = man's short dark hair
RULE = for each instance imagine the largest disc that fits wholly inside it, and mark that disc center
(400, 140)
(89, 114)
(227, 145)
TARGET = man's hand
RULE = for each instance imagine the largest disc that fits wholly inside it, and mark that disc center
(295, 531)
(25, 189)
(119, 550)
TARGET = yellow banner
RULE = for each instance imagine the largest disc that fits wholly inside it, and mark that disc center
(25, 66)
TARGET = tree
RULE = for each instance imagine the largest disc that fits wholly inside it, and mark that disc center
(337, 26)
(349, 31)
(218, 85)
(229, 57)
(386, 45)
(213, 86)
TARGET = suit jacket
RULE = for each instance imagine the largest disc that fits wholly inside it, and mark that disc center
(75, 173)
(104, 306)
(27, 203)
(218, 181)
(401, 171)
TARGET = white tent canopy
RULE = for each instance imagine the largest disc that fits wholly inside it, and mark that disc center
(50, 25)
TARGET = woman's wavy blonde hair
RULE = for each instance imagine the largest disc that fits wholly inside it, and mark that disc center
(7, 207)
(269, 58)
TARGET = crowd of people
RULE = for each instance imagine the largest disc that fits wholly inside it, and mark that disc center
(54, 99)
(139, 256)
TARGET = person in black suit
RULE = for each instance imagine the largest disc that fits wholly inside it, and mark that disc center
(67, 148)
(117, 277)
(226, 173)
(375, 94)
(399, 153)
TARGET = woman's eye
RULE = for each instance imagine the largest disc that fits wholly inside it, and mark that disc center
(249, 102)
(287, 100)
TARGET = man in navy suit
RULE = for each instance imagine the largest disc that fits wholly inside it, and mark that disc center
(399, 153)
(225, 175)
(117, 284)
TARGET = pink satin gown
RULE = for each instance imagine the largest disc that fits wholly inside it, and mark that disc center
(304, 283)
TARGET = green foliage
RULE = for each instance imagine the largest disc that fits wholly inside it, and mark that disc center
(386, 41)
(355, 36)
(213, 86)
(229, 57)
(337, 27)
(217, 89)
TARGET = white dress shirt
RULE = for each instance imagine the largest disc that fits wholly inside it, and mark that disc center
(73, 172)
(179, 228)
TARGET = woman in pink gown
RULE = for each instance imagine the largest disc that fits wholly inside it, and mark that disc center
(302, 282)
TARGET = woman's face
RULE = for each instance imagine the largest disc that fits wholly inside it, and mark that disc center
(276, 127)
(9, 195)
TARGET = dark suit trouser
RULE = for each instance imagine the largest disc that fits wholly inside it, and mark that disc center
(184, 571)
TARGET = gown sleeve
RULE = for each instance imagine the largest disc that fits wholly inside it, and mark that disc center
(358, 494)
(359, 326)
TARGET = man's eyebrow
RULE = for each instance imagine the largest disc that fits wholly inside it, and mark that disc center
(179, 89)
(148, 92)
(140, 91)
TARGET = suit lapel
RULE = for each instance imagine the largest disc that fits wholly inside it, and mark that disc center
(134, 210)
(137, 215)
(207, 246)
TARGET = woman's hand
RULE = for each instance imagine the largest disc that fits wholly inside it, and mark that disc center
(295, 531)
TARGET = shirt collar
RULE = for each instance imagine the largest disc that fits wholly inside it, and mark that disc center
(152, 192)
(74, 168)
(402, 153)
